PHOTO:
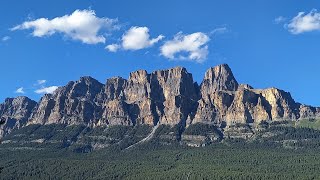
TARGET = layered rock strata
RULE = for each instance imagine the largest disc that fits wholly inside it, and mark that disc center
(163, 97)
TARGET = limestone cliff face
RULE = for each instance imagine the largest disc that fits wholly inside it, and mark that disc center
(247, 107)
(138, 94)
(115, 109)
(223, 100)
(219, 78)
(254, 106)
(308, 111)
(75, 103)
(178, 93)
(14, 112)
(281, 103)
(217, 94)
(164, 96)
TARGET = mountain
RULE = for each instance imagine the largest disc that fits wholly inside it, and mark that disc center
(15, 112)
(165, 97)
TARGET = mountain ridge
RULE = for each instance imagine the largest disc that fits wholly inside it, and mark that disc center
(167, 97)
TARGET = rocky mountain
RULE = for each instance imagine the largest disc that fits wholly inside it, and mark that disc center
(167, 97)
(15, 112)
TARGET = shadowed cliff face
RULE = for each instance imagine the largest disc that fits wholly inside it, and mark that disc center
(164, 96)
(75, 103)
(14, 113)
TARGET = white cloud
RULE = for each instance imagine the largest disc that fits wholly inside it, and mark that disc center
(138, 38)
(113, 47)
(305, 22)
(46, 90)
(195, 45)
(5, 38)
(82, 25)
(20, 91)
(40, 82)
(220, 30)
(279, 20)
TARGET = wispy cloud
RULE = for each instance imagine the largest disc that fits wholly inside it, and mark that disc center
(5, 38)
(46, 90)
(279, 20)
(40, 82)
(20, 91)
(195, 45)
(305, 22)
(82, 25)
(219, 30)
(135, 38)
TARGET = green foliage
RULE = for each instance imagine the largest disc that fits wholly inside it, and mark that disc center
(67, 153)
(309, 123)
(163, 129)
(117, 132)
(202, 129)
(163, 162)
(275, 123)
(22, 134)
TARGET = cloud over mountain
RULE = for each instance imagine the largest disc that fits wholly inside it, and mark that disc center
(135, 38)
(138, 38)
(82, 25)
(46, 90)
(20, 91)
(195, 45)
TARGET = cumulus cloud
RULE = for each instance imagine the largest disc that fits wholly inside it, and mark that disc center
(5, 38)
(40, 82)
(195, 45)
(46, 90)
(20, 91)
(113, 47)
(138, 38)
(305, 22)
(82, 25)
(135, 38)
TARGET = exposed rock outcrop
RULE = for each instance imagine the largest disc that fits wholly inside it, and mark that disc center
(178, 93)
(219, 78)
(167, 96)
(75, 103)
(247, 107)
(14, 113)
(217, 93)
(161, 97)
(308, 111)
(115, 109)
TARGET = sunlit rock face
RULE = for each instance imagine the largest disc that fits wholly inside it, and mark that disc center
(75, 103)
(165, 96)
(217, 94)
(14, 113)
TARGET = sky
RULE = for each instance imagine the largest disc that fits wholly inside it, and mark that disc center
(267, 43)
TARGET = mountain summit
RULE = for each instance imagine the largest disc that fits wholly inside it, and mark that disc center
(167, 97)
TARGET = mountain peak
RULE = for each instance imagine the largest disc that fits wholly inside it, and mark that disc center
(87, 80)
(220, 78)
(167, 96)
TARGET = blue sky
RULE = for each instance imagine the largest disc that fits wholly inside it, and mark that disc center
(267, 43)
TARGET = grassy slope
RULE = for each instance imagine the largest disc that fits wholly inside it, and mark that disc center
(307, 123)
